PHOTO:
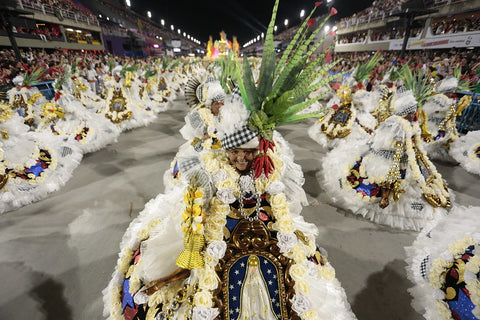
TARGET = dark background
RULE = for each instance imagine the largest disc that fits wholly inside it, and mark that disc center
(245, 19)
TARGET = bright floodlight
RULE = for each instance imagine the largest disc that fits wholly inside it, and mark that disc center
(275, 28)
(184, 34)
(258, 38)
(328, 1)
(334, 28)
(263, 35)
(149, 14)
(162, 22)
(128, 3)
(172, 27)
(179, 32)
(302, 13)
(285, 22)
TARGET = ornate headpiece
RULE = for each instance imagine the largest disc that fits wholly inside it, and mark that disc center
(447, 85)
(283, 87)
(404, 103)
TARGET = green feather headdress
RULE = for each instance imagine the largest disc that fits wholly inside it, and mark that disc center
(418, 82)
(34, 77)
(227, 72)
(364, 69)
(464, 84)
(283, 86)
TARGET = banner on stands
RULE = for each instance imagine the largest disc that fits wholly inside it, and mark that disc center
(439, 42)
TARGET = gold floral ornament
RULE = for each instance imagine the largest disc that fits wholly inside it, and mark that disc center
(464, 102)
(192, 226)
(394, 177)
(34, 98)
(51, 111)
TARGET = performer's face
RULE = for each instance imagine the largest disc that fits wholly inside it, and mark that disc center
(242, 159)
(412, 117)
(215, 107)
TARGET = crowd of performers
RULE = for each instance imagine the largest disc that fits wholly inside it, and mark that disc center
(42, 141)
(226, 239)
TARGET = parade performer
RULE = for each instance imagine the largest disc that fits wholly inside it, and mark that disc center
(65, 115)
(35, 164)
(243, 249)
(341, 118)
(388, 179)
(200, 130)
(466, 151)
(444, 266)
(120, 107)
(439, 118)
(25, 99)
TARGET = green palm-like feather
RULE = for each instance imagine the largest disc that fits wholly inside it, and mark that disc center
(363, 70)
(419, 83)
(249, 84)
(292, 43)
(464, 84)
(267, 68)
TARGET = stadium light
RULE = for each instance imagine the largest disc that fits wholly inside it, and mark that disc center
(285, 22)
(172, 27)
(258, 38)
(162, 22)
(184, 34)
(149, 14)
(128, 3)
(263, 35)
(328, 1)
(179, 31)
(334, 28)
(302, 13)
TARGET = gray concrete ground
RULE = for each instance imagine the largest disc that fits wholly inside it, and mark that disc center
(57, 255)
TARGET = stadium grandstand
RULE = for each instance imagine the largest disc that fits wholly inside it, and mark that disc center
(103, 26)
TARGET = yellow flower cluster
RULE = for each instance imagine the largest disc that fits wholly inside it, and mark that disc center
(192, 217)
(34, 98)
(473, 286)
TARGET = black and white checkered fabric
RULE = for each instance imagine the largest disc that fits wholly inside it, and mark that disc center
(218, 97)
(185, 164)
(238, 138)
(424, 267)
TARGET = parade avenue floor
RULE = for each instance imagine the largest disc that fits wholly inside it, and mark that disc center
(57, 255)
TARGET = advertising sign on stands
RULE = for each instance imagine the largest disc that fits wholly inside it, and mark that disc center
(470, 39)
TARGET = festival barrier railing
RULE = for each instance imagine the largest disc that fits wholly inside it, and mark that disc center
(470, 118)
(46, 88)
(58, 12)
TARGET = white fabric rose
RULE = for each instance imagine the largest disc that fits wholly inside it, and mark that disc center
(216, 249)
(225, 195)
(245, 183)
(275, 187)
(301, 304)
(312, 269)
(140, 298)
(219, 176)
(286, 241)
(200, 313)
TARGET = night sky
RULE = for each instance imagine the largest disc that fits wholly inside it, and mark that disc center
(242, 18)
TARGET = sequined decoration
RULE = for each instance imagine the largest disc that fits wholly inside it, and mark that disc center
(456, 294)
